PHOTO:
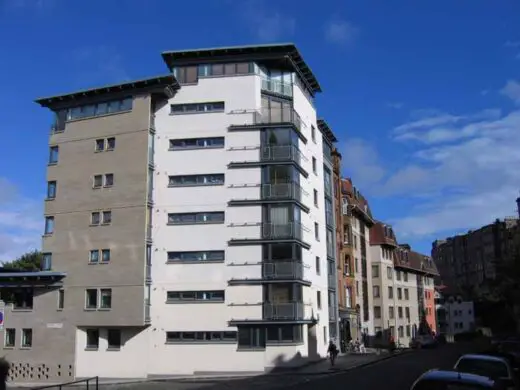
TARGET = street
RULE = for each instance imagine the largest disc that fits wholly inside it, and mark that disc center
(397, 373)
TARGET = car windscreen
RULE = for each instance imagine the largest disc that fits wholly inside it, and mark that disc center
(489, 368)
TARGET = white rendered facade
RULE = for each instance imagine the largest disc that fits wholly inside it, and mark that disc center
(237, 275)
(454, 315)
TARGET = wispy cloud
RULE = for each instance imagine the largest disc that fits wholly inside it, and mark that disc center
(512, 44)
(267, 23)
(37, 5)
(342, 32)
(454, 183)
(20, 222)
(395, 105)
(98, 65)
(512, 91)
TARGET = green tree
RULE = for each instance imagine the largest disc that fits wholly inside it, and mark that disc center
(30, 261)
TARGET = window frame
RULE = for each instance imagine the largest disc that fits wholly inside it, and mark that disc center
(50, 225)
(206, 180)
(195, 221)
(119, 337)
(54, 151)
(198, 108)
(205, 258)
(88, 346)
(183, 296)
(202, 337)
(198, 143)
(7, 332)
(52, 189)
(61, 299)
(27, 334)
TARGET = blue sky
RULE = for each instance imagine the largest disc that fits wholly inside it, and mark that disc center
(423, 95)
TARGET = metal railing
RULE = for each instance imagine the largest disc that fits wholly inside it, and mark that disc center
(148, 272)
(149, 232)
(277, 115)
(281, 153)
(89, 383)
(284, 311)
(277, 86)
(273, 231)
(283, 269)
(288, 190)
(147, 310)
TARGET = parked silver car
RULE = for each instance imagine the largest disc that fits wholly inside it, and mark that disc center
(453, 380)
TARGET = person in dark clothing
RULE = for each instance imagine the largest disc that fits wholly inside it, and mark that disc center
(333, 352)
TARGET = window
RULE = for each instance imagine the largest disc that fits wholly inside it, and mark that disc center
(46, 261)
(314, 166)
(347, 266)
(94, 256)
(196, 180)
(92, 338)
(316, 231)
(114, 338)
(197, 108)
(405, 276)
(201, 337)
(357, 288)
(105, 255)
(54, 153)
(26, 338)
(316, 198)
(399, 293)
(391, 313)
(398, 275)
(10, 337)
(324, 335)
(390, 292)
(97, 182)
(376, 291)
(389, 272)
(61, 299)
(375, 271)
(91, 298)
(400, 312)
(100, 145)
(195, 218)
(196, 256)
(348, 297)
(377, 311)
(251, 337)
(111, 143)
(313, 133)
(51, 190)
(356, 265)
(91, 110)
(279, 334)
(318, 299)
(95, 218)
(197, 296)
(408, 331)
(105, 301)
(197, 143)
(49, 225)
(107, 217)
(406, 294)
(400, 331)
(105, 144)
(318, 266)
(109, 179)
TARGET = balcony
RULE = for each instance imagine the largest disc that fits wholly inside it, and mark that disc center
(281, 191)
(148, 273)
(279, 311)
(267, 232)
(276, 231)
(147, 311)
(149, 232)
(277, 86)
(332, 282)
(283, 270)
(333, 313)
(268, 117)
(281, 153)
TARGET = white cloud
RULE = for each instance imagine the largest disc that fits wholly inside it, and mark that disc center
(266, 22)
(512, 91)
(361, 160)
(512, 44)
(21, 224)
(464, 179)
(340, 32)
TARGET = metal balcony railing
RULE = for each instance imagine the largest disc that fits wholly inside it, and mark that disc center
(276, 231)
(281, 153)
(149, 232)
(283, 269)
(284, 311)
(277, 115)
(288, 190)
(148, 274)
(147, 310)
(277, 86)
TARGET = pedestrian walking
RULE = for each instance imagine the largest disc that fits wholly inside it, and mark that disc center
(333, 352)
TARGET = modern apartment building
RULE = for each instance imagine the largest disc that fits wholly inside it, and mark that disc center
(402, 287)
(453, 314)
(348, 313)
(357, 211)
(190, 219)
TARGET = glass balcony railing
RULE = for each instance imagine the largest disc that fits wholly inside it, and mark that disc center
(283, 269)
(332, 281)
(281, 153)
(277, 231)
(288, 190)
(147, 310)
(148, 273)
(148, 232)
(277, 115)
(284, 311)
(333, 313)
(277, 86)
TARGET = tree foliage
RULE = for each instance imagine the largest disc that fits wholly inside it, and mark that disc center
(30, 261)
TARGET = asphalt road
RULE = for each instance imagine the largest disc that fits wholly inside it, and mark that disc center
(398, 373)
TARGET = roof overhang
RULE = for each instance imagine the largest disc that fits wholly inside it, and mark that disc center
(326, 131)
(286, 52)
(166, 84)
(31, 278)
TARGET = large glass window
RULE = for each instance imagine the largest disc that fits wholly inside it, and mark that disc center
(276, 174)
